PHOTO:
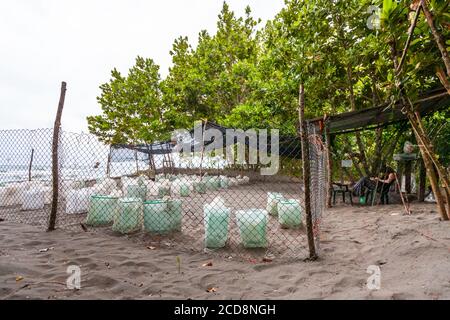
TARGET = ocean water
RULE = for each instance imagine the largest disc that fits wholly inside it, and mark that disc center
(81, 157)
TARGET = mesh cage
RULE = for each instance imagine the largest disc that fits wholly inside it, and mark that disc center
(199, 201)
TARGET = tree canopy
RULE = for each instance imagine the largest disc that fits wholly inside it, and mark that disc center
(247, 75)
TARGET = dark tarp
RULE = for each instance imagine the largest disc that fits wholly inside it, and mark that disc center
(384, 115)
(289, 146)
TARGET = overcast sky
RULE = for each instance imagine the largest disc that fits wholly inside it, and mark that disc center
(44, 42)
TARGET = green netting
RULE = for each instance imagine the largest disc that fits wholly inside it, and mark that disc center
(289, 213)
(156, 218)
(253, 227)
(137, 191)
(102, 210)
(224, 182)
(216, 221)
(200, 187)
(129, 214)
(185, 190)
(175, 212)
(273, 198)
(163, 191)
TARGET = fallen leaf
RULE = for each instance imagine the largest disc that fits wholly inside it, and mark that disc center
(83, 226)
(19, 278)
(267, 260)
(211, 290)
(209, 264)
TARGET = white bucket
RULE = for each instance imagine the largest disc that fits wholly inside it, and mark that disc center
(33, 200)
(78, 200)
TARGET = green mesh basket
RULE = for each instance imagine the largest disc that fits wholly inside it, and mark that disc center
(289, 213)
(156, 219)
(102, 210)
(216, 226)
(185, 190)
(273, 198)
(175, 212)
(137, 191)
(129, 216)
(200, 187)
(253, 227)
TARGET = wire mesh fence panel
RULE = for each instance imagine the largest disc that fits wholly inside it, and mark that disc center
(317, 156)
(203, 200)
(25, 175)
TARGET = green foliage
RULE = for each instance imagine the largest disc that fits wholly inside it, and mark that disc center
(247, 78)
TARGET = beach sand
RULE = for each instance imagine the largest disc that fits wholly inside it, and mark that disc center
(413, 253)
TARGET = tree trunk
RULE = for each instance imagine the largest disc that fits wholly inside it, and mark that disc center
(437, 36)
(421, 137)
(347, 148)
(357, 134)
(441, 75)
(306, 174)
(430, 150)
(429, 165)
(55, 165)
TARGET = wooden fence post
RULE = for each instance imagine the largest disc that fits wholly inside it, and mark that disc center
(306, 173)
(55, 165)
(422, 181)
(108, 164)
(31, 164)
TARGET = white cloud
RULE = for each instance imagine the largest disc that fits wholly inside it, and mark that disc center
(44, 42)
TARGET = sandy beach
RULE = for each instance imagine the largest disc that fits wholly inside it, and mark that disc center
(413, 253)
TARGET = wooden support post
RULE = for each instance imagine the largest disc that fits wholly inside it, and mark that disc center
(31, 165)
(422, 182)
(203, 148)
(306, 174)
(108, 164)
(136, 160)
(329, 165)
(399, 176)
(55, 165)
(408, 171)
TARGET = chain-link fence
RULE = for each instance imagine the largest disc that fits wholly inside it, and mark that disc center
(200, 201)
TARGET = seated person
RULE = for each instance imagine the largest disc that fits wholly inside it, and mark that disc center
(371, 183)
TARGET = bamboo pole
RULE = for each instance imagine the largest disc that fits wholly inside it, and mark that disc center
(306, 173)
(31, 165)
(55, 165)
